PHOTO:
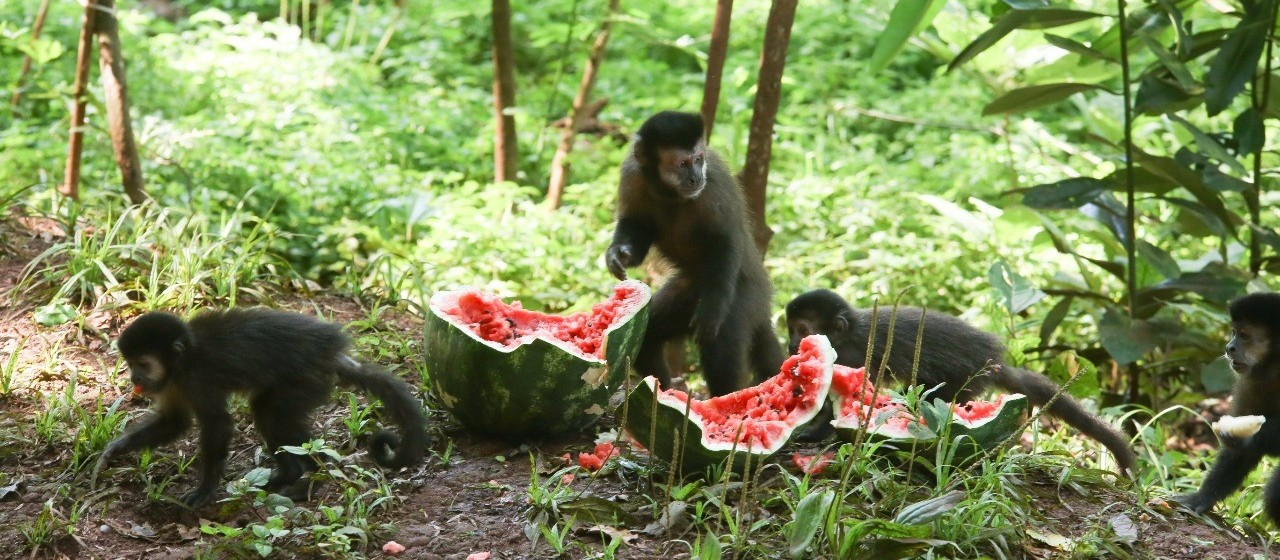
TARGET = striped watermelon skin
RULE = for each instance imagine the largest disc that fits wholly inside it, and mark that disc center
(655, 419)
(539, 388)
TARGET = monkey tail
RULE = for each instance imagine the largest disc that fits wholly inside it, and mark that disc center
(386, 448)
(1040, 389)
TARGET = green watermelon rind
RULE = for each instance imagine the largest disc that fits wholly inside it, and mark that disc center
(1003, 423)
(540, 386)
(698, 452)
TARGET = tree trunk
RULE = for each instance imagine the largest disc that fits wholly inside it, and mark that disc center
(116, 98)
(715, 64)
(559, 163)
(755, 172)
(26, 60)
(71, 179)
(504, 94)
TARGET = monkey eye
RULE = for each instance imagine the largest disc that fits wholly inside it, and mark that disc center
(698, 160)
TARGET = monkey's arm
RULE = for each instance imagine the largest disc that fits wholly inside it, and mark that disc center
(158, 428)
(1226, 475)
(1265, 441)
(631, 240)
(717, 283)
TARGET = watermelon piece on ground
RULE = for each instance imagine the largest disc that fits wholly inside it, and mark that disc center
(508, 372)
(755, 422)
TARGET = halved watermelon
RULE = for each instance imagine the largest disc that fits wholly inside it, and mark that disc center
(755, 422)
(504, 371)
(858, 407)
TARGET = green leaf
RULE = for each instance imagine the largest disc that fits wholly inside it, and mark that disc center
(1208, 146)
(1030, 97)
(1126, 341)
(1067, 365)
(1053, 319)
(57, 313)
(927, 510)
(1019, 19)
(1249, 132)
(1157, 96)
(1217, 377)
(1074, 46)
(1065, 194)
(1235, 64)
(710, 549)
(1187, 179)
(1016, 292)
(1169, 60)
(1159, 260)
(1223, 182)
(809, 515)
(907, 18)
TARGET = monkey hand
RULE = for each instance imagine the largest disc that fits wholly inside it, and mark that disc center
(620, 258)
(707, 320)
(1195, 502)
(1236, 442)
(197, 497)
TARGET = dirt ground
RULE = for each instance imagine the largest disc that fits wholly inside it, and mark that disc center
(476, 501)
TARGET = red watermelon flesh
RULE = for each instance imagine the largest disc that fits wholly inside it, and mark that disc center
(858, 399)
(975, 413)
(509, 324)
(762, 416)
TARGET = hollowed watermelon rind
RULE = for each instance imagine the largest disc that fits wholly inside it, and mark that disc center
(1009, 411)
(538, 387)
(656, 421)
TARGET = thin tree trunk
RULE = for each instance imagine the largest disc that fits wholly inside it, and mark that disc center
(755, 173)
(71, 179)
(504, 94)
(116, 97)
(26, 60)
(559, 163)
(715, 64)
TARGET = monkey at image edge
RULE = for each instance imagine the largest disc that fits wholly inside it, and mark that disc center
(678, 196)
(285, 363)
(1255, 329)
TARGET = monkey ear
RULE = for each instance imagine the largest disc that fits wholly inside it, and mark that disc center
(639, 152)
(842, 322)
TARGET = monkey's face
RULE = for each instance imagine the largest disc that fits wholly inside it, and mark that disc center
(1248, 346)
(800, 326)
(147, 372)
(684, 171)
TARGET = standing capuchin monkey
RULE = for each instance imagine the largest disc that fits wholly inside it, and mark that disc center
(958, 359)
(1255, 328)
(285, 363)
(679, 196)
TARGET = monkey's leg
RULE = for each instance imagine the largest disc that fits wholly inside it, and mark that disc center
(1226, 475)
(1271, 497)
(724, 356)
(670, 311)
(216, 429)
(284, 418)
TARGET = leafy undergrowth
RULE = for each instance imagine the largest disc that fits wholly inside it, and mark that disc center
(64, 399)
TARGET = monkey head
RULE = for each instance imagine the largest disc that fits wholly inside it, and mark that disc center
(672, 153)
(1255, 322)
(817, 312)
(152, 345)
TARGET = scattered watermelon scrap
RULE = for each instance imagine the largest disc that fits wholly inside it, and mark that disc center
(812, 464)
(860, 406)
(595, 460)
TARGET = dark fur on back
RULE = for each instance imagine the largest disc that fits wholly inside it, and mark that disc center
(957, 358)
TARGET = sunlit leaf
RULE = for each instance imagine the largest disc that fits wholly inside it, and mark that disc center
(1074, 46)
(1170, 61)
(1019, 19)
(907, 18)
(1016, 292)
(1030, 97)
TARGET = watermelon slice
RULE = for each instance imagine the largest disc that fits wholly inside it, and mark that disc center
(755, 422)
(985, 423)
(508, 372)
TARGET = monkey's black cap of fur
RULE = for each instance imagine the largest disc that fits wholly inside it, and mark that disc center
(153, 331)
(1262, 309)
(671, 129)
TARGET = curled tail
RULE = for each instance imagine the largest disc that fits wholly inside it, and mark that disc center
(1040, 389)
(387, 449)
